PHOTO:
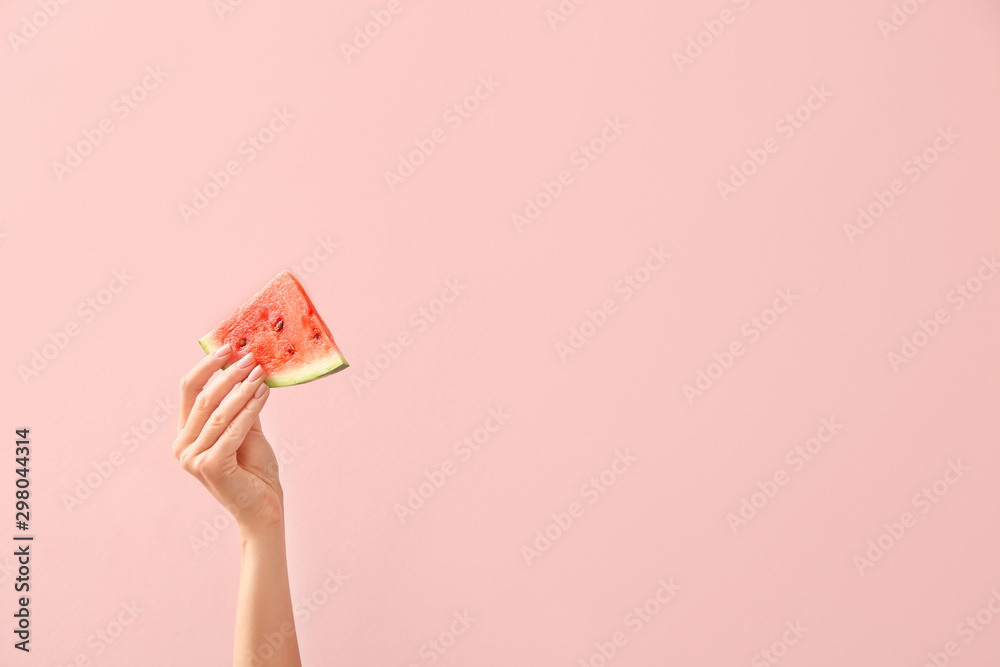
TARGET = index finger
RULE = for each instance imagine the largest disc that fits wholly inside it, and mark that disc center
(194, 381)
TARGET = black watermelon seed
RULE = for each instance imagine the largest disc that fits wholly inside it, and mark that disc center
(243, 341)
(280, 325)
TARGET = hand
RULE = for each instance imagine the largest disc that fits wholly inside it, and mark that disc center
(220, 441)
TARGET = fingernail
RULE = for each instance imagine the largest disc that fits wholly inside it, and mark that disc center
(260, 391)
(224, 351)
(246, 362)
(256, 373)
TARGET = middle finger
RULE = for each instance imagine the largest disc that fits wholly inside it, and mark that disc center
(210, 397)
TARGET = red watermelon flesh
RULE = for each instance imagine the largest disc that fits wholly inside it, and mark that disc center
(282, 329)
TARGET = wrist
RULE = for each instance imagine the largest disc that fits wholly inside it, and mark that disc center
(263, 531)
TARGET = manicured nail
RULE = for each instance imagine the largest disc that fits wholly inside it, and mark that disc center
(256, 373)
(246, 362)
(260, 390)
(224, 351)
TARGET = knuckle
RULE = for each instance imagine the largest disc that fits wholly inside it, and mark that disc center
(217, 419)
(233, 429)
(186, 462)
(200, 466)
(201, 403)
(209, 465)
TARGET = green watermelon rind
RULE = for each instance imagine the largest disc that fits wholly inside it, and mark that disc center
(306, 373)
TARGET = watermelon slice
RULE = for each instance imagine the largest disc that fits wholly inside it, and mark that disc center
(282, 329)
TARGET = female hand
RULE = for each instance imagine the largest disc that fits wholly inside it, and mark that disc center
(220, 441)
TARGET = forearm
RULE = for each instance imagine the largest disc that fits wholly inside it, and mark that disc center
(265, 627)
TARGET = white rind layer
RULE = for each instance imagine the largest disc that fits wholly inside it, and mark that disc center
(306, 373)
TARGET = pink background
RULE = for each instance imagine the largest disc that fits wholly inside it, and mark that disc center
(144, 535)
